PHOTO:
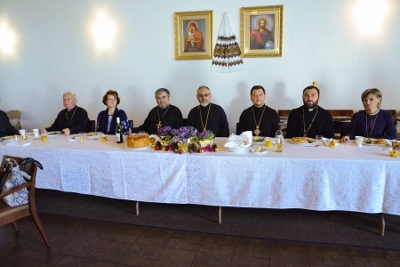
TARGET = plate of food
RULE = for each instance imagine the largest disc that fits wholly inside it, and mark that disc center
(373, 141)
(11, 138)
(304, 141)
(93, 135)
(258, 140)
(54, 133)
(259, 150)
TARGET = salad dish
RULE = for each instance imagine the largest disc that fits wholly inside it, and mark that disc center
(11, 138)
(54, 133)
(302, 140)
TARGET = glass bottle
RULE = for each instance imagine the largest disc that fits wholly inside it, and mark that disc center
(118, 132)
(279, 141)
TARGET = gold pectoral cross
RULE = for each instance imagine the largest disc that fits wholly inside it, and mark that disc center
(257, 131)
(305, 135)
(204, 129)
(158, 125)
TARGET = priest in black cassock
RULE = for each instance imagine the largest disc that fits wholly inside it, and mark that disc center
(310, 119)
(259, 118)
(72, 119)
(207, 115)
(164, 114)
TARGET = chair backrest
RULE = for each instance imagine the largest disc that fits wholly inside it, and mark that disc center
(15, 116)
(91, 126)
(341, 121)
(393, 112)
(284, 114)
(341, 114)
(30, 167)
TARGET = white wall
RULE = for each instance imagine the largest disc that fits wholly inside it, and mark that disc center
(55, 53)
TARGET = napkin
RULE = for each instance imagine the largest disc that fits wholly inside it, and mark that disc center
(18, 144)
(243, 140)
(325, 141)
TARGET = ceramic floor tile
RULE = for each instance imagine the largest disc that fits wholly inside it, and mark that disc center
(110, 250)
(218, 245)
(238, 261)
(211, 259)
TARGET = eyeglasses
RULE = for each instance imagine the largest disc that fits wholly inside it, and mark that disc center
(205, 95)
(111, 99)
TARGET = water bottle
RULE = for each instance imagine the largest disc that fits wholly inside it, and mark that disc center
(279, 141)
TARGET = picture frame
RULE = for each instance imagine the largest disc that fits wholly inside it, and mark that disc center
(261, 31)
(193, 35)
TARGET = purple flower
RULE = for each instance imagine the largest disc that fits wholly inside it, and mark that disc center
(206, 135)
(164, 130)
(184, 132)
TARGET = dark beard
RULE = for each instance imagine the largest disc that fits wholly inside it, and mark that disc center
(311, 106)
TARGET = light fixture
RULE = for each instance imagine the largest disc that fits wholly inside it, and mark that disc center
(369, 15)
(103, 30)
(7, 39)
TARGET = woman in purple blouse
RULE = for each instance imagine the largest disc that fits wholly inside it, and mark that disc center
(372, 122)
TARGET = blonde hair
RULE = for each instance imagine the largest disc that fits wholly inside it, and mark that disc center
(372, 91)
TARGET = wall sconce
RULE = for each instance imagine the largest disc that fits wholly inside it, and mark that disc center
(7, 39)
(369, 15)
(103, 30)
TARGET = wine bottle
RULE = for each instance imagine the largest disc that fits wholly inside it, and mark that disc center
(118, 132)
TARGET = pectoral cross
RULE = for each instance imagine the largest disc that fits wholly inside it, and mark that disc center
(257, 131)
(204, 129)
(158, 125)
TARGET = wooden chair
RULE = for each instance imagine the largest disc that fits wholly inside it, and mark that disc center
(91, 126)
(12, 214)
(283, 117)
(15, 116)
(341, 121)
(393, 112)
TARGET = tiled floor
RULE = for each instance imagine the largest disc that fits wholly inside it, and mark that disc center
(78, 242)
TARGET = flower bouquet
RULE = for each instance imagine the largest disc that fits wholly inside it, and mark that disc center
(183, 137)
(206, 138)
(165, 136)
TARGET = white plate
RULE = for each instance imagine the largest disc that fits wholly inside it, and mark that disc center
(258, 140)
(10, 138)
(93, 135)
(372, 142)
(54, 133)
(137, 148)
(258, 150)
(311, 142)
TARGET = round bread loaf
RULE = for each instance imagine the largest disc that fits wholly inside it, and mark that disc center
(138, 140)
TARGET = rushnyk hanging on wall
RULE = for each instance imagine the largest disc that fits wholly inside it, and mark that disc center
(227, 51)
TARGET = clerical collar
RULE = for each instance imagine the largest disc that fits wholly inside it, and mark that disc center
(259, 107)
(205, 105)
(165, 107)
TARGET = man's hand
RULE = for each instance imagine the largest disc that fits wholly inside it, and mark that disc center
(66, 131)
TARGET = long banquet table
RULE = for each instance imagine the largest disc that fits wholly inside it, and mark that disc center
(349, 178)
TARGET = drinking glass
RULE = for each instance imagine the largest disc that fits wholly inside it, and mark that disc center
(318, 139)
(44, 136)
(359, 141)
(81, 137)
(393, 152)
(268, 142)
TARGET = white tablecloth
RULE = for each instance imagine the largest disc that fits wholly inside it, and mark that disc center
(351, 178)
